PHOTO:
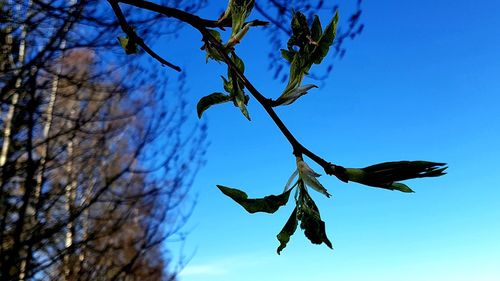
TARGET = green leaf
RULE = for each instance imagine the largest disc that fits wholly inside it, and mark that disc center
(292, 177)
(300, 27)
(316, 30)
(401, 187)
(239, 97)
(293, 95)
(228, 86)
(240, 10)
(130, 46)
(215, 34)
(314, 229)
(227, 13)
(296, 76)
(326, 40)
(234, 86)
(311, 223)
(208, 101)
(240, 102)
(212, 53)
(313, 45)
(287, 231)
(268, 204)
(309, 177)
(238, 62)
(287, 55)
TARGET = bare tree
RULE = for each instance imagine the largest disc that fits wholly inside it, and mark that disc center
(90, 161)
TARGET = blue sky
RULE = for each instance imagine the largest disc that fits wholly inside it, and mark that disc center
(421, 83)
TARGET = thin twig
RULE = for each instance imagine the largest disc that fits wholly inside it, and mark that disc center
(133, 35)
(271, 19)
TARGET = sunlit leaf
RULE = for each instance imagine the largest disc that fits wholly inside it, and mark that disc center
(268, 204)
(292, 177)
(316, 185)
(208, 101)
(227, 13)
(287, 231)
(240, 10)
(309, 177)
(294, 94)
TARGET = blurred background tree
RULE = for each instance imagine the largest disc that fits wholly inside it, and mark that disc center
(94, 169)
(97, 152)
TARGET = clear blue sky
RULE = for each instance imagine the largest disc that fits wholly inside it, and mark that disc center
(422, 82)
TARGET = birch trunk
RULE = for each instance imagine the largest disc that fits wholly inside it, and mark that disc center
(12, 107)
(15, 95)
(70, 194)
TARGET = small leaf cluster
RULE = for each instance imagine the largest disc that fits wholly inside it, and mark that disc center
(306, 46)
(306, 212)
(234, 88)
(237, 12)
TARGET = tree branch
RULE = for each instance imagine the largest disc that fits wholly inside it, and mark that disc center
(131, 34)
(201, 25)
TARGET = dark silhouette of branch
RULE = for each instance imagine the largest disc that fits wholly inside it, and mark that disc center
(131, 34)
(201, 25)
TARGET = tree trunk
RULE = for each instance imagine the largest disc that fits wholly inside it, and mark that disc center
(4, 152)
(15, 95)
